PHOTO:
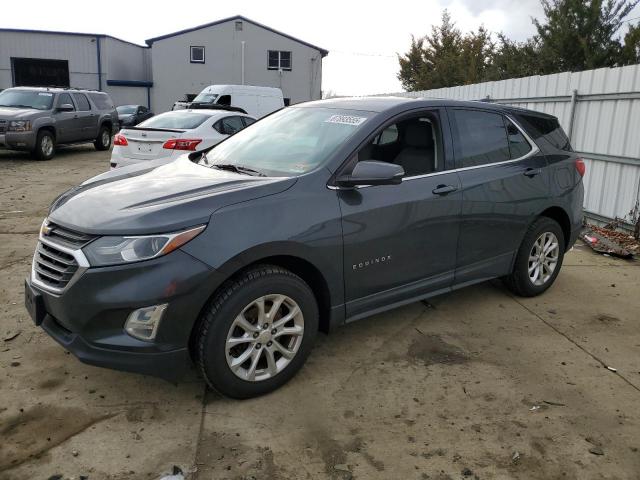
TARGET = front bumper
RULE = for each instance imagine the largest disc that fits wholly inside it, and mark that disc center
(88, 317)
(18, 140)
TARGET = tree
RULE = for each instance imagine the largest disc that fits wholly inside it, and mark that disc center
(631, 49)
(445, 57)
(514, 59)
(581, 35)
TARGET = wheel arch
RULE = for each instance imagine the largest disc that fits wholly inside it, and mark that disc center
(298, 265)
(49, 128)
(560, 215)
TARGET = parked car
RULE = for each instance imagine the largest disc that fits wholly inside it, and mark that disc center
(255, 101)
(168, 135)
(39, 119)
(131, 115)
(318, 215)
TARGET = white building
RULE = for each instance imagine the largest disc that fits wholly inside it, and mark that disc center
(172, 67)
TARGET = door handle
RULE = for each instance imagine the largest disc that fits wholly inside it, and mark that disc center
(532, 172)
(444, 189)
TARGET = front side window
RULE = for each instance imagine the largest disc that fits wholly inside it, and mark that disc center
(177, 119)
(289, 142)
(26, 99)
(83, 103)
(481, 138)
(414, 143)
(279, 60)
(206, 97)
(65, 99)
(197, 54)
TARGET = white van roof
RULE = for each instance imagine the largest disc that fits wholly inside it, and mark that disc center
(252, 89)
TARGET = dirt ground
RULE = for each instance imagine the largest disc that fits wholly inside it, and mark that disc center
(475, 384)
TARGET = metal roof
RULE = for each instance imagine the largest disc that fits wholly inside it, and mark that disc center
(78, 34)
(322, 51)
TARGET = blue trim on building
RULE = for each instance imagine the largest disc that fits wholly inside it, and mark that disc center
(322, 51)
(130, 83)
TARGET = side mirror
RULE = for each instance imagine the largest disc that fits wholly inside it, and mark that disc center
(372, 172)
(66, 107)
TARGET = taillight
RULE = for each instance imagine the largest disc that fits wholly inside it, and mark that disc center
(120, 140)
(580, 167)
(182, 144)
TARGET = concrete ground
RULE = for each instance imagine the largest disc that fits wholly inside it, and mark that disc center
(475, 384)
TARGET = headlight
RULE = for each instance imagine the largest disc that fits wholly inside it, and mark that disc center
(116, 250)
(19, 126)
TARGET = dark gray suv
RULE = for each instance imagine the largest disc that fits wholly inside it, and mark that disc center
(317, 215)
(38, 119)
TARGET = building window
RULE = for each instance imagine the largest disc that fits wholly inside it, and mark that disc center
(279, 60)
(197, 54)
(238, 26)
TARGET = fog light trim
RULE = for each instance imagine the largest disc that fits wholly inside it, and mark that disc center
(143, 323)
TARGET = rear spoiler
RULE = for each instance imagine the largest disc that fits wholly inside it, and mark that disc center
(215, 106)
(149, 129)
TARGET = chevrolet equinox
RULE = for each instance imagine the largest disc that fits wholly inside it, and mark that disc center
(315, 216)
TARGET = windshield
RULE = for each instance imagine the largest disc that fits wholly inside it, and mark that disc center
(127, 109)
(206, 97)
(181, 120)
(290, 142)
(26, 99)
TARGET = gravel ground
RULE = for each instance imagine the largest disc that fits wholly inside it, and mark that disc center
(474, 384)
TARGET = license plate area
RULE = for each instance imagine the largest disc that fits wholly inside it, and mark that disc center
(144, 148)
(34, 303)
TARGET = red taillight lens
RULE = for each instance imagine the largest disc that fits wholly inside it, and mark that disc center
(580, 167)
(182, 144)
(121, 140)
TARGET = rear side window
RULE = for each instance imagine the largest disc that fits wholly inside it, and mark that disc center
(545, 128)
(481, 138)
(83, 103)
(102, 101)
(518, 145)
(248, 121)
(230, 125)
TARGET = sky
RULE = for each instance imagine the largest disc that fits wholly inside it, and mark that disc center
(363, 38)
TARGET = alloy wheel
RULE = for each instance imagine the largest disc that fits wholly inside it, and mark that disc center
(47, 145)
(543, 258)
(264, 337)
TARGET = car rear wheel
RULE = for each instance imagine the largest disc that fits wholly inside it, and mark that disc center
(45, 145)
(257, 332)
(103, 142)
(538, 260)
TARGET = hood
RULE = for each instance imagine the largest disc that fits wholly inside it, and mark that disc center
(157, 198)
(8, 113)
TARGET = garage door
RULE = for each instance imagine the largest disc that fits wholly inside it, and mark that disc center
(34, 72)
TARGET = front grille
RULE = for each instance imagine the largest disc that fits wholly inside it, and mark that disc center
(3, 126)
(67, 238)
(53, 267)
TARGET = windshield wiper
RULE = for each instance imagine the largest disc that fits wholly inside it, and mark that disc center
(238, 169)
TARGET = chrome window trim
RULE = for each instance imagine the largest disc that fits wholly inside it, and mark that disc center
(534, 151)
(77, 254)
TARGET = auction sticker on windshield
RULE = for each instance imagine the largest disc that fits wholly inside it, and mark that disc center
(43, 94)
(345, 120)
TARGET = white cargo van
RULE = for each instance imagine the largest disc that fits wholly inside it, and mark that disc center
(255, 101)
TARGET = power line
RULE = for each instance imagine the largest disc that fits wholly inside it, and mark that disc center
(362, 54)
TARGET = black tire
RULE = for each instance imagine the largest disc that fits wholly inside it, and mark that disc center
(519, 281)
(45, 147)
(103, 142)
(218, 318)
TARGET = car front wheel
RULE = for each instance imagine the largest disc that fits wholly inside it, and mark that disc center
(538, 260)
(45, 145)
(257, 332)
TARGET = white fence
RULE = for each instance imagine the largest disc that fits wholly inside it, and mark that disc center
(599, 110)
